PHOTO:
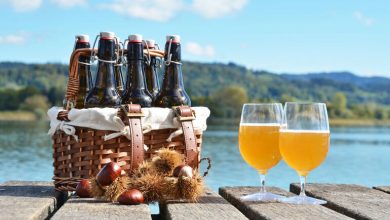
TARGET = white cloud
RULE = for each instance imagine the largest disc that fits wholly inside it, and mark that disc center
(23, 5)
(155, 10)
(198, 50)
(69, 3)
(217, 8)
(15, 39)
(367, 21)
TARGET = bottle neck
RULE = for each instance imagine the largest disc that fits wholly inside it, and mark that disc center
(81, 45)
(175, 51)
(135, 69)
(173, 77)
(84, 71)
(119, 75)
(151, 75)
(105, 72)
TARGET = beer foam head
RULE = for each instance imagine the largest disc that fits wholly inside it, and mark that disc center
(175, 38)
(135, 38)
(82, 38)
(150, 43)
(107, 35)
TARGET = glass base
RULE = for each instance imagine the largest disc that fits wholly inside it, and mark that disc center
(303, 200)
(263, 197)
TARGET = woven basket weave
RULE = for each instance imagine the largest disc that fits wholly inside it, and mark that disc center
(74, 161)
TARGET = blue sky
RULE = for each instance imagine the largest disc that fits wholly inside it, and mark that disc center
(280, 36)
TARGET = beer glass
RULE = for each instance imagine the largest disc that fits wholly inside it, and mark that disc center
(259, 142)
(304, 142)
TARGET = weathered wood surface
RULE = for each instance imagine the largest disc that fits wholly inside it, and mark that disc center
(275, 210)
(210, 206)
(352, 200)
(383, 188)
(80, 208)
(29, 200)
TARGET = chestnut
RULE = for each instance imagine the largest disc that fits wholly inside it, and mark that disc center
(108, 174)
(177, 169)
(83, 189)
(131, 197)
(183, 170)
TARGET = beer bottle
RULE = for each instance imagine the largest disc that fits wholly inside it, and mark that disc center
(172, 91)
(136, 91)
(104, 92)
(151, 71)
(118, 71)
(84, 71)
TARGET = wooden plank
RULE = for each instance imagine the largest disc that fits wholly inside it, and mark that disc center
(352, 200)
(385, 189)
(210, 206)
(77, 208)
(29, 200)
(275, 210)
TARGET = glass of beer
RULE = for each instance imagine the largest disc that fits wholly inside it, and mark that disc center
(304, 142)
(259, 142)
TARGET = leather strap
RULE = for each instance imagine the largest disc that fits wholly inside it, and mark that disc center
(186, 116)
(133, 113)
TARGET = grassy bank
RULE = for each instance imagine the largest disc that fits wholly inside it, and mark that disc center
(333, 122)
(17, 116)
(359, 122)
(30, 116)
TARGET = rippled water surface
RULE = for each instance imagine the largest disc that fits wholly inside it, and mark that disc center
(357, 155)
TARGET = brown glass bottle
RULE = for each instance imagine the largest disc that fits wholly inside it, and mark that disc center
(172, 92)
(136, 91)
(151, 72)
(84, 71)
(118, 73)
(104, 93)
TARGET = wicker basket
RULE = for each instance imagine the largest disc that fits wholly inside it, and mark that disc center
(76, 160)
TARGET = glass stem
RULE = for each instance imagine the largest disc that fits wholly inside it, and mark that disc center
(262, 181)
(303, 183)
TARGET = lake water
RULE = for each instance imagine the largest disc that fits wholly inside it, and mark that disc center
(356, 155)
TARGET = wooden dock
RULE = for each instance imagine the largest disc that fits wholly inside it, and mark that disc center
(39, 200)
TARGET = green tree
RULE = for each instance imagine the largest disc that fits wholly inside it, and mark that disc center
(339, 104)
(9, 99)
(27, 92)
(286, 98)
(380, 113)
(37, 104)
(228, 101)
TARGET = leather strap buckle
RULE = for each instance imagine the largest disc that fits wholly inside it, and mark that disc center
(184, 113)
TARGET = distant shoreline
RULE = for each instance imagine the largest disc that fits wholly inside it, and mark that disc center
(17, 116)
(30, 116)
(352, 122)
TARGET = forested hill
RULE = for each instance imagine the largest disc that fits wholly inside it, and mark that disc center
(207, 83)
(263, 85)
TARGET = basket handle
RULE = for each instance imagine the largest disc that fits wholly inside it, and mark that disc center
(73, 81)
(185, 116)
(133, 114)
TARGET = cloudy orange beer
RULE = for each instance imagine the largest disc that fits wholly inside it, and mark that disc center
(259, 145)
(304, 150)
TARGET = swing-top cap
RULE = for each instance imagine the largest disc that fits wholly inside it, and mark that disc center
(107, 35)
(175, 38)
(150, 43)
(135, 38)
(82, 38)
